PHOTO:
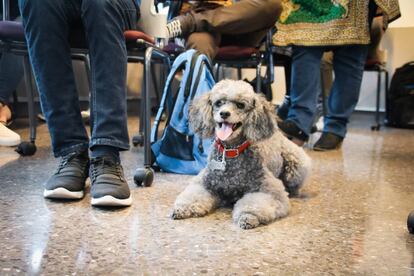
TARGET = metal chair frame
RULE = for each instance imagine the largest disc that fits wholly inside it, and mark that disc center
(380, 69)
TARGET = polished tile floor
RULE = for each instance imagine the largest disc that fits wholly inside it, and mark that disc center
(349, 220)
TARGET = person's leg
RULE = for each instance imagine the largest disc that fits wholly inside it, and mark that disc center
(327, 72)
(376, 34)
(326, 81)
(105, 22)
(11, 72)
(305, 86)
(246, 16)
(205, 43)
(283, 109)
(348, 65)
(242, 17)
(47, 26)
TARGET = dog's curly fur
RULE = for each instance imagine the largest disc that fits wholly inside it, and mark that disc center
(258, 181)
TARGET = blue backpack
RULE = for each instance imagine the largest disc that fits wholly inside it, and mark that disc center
(179, 150)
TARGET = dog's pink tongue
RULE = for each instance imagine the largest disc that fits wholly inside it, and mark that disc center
(225, 131)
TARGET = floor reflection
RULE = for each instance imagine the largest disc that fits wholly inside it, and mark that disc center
(350, 219)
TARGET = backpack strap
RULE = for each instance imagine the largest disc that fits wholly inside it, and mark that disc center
(180, 63)
(202, 62)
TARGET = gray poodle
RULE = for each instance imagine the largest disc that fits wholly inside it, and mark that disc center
(251, 164)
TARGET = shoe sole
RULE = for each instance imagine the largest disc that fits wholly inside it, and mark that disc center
(111, 201)
(323, 149)
(62, 193)
(10, 143)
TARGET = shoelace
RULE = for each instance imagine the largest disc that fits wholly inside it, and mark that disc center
(105, 166)
(67, 159)
(174, 28)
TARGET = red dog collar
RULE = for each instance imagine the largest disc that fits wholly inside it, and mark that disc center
(231, 153)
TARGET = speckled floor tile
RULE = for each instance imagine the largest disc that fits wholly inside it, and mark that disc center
(349, 220)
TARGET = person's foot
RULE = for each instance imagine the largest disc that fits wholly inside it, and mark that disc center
(293, 132)
(180, 26)
(328, 141)
(5, 114)
(68, 182)
(8, 137)
(108, 184)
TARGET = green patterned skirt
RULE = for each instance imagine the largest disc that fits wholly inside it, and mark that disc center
(327, 22)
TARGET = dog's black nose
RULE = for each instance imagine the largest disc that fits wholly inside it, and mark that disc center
(224, 114)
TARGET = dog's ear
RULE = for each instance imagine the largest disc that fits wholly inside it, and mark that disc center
(201, 116)
(261, 120)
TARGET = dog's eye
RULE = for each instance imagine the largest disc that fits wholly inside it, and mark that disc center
(240, 105)
(219, 103)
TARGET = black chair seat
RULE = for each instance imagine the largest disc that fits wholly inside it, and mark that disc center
(11, 30)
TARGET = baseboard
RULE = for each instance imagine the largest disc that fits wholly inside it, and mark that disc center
(20, 108)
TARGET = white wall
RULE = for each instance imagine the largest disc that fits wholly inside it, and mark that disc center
(398, 42)
(407, 15)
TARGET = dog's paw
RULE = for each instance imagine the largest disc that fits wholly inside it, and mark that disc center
(180, 213)
(183, 212)
(248, 221)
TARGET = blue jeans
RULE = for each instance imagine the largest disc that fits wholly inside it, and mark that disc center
(11, 72)
(348, 65)
(48, 24)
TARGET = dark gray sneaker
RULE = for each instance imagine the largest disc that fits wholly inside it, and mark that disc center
(68, 182)
(108, 184)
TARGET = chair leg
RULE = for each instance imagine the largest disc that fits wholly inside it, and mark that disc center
(87, 63)
(155, 84)
(287, 66)
(377, 123)
(239, 73)
(145, 176)
(146, 100)
(138, 139)
(386, 92)
(217, 71)
(270, 68)
(259, 77)
(30, 98)
(29, 148)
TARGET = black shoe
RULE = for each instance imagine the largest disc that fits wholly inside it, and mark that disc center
(328, 141)
(108, 184)
(68, 182)
(293, 132)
